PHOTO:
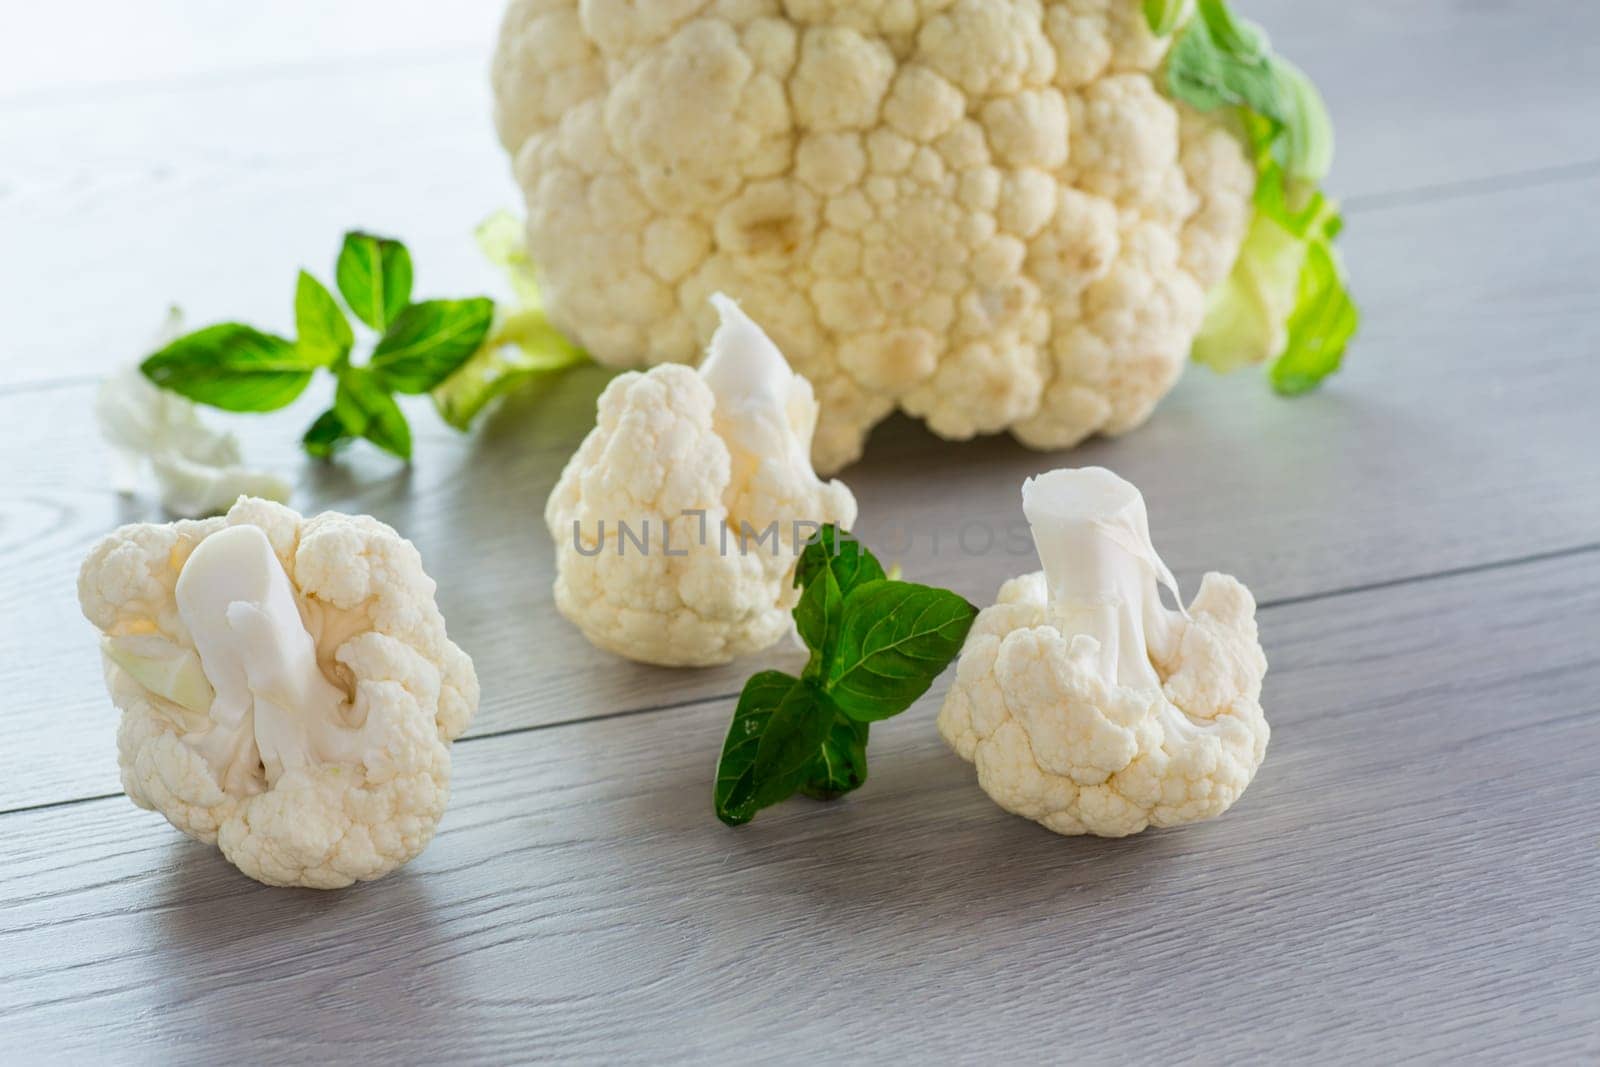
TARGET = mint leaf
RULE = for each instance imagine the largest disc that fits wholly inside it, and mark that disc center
(232, 367)
(816, 619)
(374, 274)
(325, 334)
(841, 765)
(895, 638)
(847, 558)
(777, 729)
(829, 568)
(365, 409)
(325, 436)
(429, 341)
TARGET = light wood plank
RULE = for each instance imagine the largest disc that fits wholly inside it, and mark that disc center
(1411, 876)
(212, 196)
(163, 44)
(1441, 92)
(1464, 432)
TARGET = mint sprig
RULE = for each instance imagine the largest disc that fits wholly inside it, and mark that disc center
(876, 644)
(419, 344)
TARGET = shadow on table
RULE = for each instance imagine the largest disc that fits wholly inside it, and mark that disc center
(231, 959)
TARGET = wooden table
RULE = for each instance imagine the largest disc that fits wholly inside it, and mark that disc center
(1412, 875)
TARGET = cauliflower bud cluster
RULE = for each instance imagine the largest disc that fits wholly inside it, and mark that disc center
(983, 212)
(678, 521)
(288, 692)
(1086, 704)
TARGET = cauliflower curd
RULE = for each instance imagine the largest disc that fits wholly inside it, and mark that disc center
(1087, 705)
(678, 521)
(287, 689)
(983, 212)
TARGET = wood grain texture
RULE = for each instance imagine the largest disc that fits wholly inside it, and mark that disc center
(1463, 432)
(1410, 877)
(181, 184)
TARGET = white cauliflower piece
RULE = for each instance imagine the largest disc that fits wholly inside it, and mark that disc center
(983, 212)
(199, 471)
(678, 521)
(288, 692)
(1087, 705)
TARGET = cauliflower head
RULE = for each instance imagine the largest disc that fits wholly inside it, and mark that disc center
(982, 212)
(678, 521)
(1087, 705)
(287, 689)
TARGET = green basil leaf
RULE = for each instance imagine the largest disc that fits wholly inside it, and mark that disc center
(1163, 16)
(429, 341)
(325, 334)
(366, 409)
(816, 618)
(847, 558)
(374, 274)
(232, 367)
(325, 436)
(841, 766)
(828, 569)
(895, 638)
(778, 728)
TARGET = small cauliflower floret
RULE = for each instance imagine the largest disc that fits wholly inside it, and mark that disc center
(1086, 704)
(678, 520)
(287, 688)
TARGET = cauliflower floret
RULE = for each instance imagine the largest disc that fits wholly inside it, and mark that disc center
(678, 520)
(1089, 707)
(287, 688)
(983, 212)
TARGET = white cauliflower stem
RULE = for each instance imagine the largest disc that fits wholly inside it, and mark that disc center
(287, 688)
(677, 520)
(986, 213)
(1086, 704)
